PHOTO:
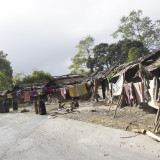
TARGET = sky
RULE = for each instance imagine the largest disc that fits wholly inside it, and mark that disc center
(43, 34)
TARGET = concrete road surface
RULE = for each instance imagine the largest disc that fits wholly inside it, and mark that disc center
(25, 136)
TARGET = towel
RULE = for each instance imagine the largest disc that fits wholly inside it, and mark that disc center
(77, 92)
(33, 93)
(80, 89)
(63, 92)
(84, 89)
(26, 96)
(72, 91)
(139, 91)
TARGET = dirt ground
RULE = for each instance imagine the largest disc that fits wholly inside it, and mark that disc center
(127, 118)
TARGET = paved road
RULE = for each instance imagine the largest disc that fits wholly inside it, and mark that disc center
(24, 136)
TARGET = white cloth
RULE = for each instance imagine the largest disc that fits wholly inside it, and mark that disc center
(118, 86)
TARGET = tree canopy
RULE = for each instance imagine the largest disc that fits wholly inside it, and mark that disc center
(136, 27)
(5, 72)
(79, 61)
(36, 77)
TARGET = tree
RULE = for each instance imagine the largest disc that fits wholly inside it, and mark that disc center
(100, 53)
(17, 78)
(136, 27)
(36, 77)
(118, 52)
(134, 53)
(79, 61)
(5, 72)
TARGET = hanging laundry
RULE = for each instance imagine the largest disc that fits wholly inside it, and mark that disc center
(26, 96)
(33, 93)
(9, 95)
(18, 93)
(63, 92)
(77, 92)
(49, 89)
(72, 91)
(80, 89)
(95, 85)
(84, 89)
(139, 92)
(39, 91)
(156, 92)
(118, 86)
(129, 92)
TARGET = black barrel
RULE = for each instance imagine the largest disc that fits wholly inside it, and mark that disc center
(42, 108)
(15, 106)
(6, 106)
(2, 110)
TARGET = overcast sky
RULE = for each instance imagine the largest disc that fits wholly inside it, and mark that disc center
(42, 34)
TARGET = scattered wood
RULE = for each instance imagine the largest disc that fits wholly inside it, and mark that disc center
(93, 110)
(142, 131)
(153, 136)
(130, 136)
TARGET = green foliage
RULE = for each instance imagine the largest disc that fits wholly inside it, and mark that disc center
(36, 77)
(118, 52)
(100, 54)
(17, 78)
(5, 72)
(134, 54)
(136, 27)
(79, 61)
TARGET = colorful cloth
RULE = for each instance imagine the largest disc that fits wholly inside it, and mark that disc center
(33, 93)
(129, 92)
(80, 89)
(63, 92)
(9, 96)
(18, 93)
(26, 96)
(72, 91)
(139, 92)
(77, 92)
(84, 89)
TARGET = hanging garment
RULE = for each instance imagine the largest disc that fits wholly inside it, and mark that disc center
(95, 85)
(72, 91)
(156, 92)
(77, 92)
(18, 93)
(118, 86)
(63, 92)
(139, 92)
(49, 89)
(80, 89)
(129, 92)
(84, 89)
(9, 95)
(26, 96)
(33, 93)
(39, 91)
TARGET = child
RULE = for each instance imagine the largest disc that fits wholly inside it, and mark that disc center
(74, 104)
(60, 105)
